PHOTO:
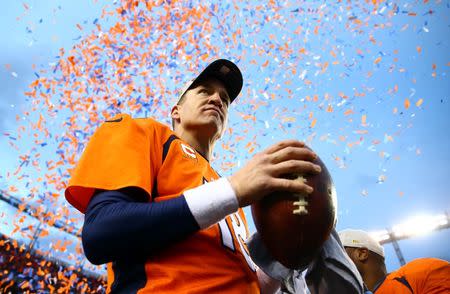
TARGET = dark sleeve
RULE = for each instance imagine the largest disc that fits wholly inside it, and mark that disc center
(117, 227)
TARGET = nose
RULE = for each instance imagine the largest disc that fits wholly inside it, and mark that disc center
(216, 100)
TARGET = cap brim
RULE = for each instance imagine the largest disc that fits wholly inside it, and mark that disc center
(225, 71)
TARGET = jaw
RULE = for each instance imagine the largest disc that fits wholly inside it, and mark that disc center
(209, 128)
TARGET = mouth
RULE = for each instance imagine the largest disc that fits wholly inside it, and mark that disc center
(214, 110)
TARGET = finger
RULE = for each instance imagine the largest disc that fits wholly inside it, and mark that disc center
(294, 186)
(284, 144)
(289, 153)
(299, 167)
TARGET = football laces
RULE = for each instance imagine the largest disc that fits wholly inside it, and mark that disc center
(301, 203)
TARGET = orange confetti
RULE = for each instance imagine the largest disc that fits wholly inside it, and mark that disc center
(324, 66)
(342, 95)
(204, 56)
(407, 103)
(376, 61)
(313, 123)
(71, 60)
(348, 112)
(43, 233)
(361, 132)
(289, 119)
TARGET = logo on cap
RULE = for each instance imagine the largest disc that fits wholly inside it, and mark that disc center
(224, 69)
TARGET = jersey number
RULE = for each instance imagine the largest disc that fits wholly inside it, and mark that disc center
(240, 234)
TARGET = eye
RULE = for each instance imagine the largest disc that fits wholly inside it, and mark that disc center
(203, 91)
(225, 100)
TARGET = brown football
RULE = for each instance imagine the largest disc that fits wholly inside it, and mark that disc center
(294, 232)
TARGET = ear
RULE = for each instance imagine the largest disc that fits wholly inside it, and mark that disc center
(362, 254)
(175, 113)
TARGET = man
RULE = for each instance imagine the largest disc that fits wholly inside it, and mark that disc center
(155, 210)
(423, 275)
(332, 271)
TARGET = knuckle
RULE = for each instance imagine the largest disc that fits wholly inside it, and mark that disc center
(282, 144)
(260, 158)
(264, 158)
(270, 184)
(288, 184)
(290, 151)
(292, 164)
(260, 180)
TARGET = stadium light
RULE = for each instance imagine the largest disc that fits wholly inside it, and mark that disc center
(419, 225)
(415, 226)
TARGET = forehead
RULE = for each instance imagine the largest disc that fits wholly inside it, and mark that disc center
(211, 82)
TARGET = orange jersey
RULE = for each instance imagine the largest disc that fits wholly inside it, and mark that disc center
(423, 275)
(143, 153)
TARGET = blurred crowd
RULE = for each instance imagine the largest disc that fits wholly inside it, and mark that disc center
(26, 271)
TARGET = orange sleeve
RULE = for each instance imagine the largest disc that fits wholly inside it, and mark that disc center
(424, 275)
(117, 156)
(433, 274)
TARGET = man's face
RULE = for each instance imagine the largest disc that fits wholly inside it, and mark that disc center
(204, 108)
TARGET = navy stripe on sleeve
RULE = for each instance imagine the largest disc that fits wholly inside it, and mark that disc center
(116, 227)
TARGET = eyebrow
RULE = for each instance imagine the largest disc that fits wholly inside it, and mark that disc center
(221, 92)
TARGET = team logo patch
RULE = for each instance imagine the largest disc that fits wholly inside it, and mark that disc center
(188, 151)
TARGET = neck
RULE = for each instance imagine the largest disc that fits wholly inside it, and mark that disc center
(373, 277)
(203, 144)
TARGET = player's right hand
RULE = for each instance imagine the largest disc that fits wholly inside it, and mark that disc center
(266, 171)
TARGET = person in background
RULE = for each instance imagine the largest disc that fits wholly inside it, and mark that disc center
(332, 271)
(422, 275)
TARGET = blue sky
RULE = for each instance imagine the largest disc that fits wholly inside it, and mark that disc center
(374, 192)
